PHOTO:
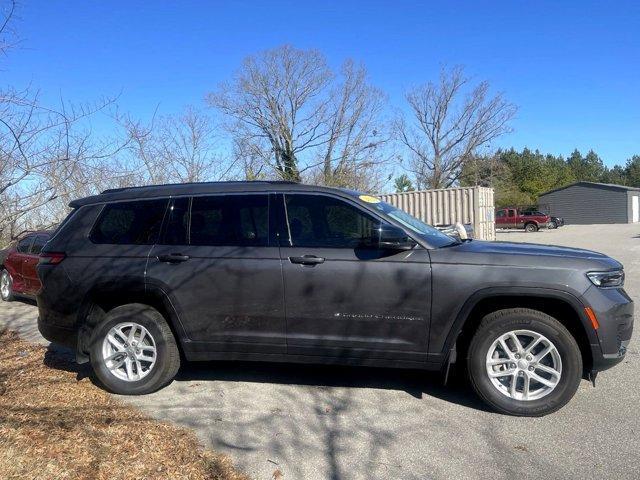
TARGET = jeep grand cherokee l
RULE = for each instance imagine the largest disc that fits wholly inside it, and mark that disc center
(137, 279)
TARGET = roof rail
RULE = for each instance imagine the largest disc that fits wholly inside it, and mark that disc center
(124, 189)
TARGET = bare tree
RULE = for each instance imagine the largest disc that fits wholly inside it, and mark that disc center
(44, 150)
(356, 134)
(175, 148)
(249, 157)
(287, 110)
(447, 124)
(277, 103)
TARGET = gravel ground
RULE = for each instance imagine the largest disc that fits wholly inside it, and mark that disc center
(357, 423)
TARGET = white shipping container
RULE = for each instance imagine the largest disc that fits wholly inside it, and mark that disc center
(447, 206)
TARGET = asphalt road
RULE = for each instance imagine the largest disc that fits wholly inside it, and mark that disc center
(358, 423)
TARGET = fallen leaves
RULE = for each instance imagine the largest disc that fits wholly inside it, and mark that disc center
(56, 424)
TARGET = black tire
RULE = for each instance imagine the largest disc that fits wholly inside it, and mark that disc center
(531, 227)
(167, 360)
(503, 321)
(552, 225)
(6, 296)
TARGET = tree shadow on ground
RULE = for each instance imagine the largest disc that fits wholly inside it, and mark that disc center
(63, 358)
(414, 382)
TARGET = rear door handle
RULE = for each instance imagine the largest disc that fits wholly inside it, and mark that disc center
(307, 260)
(173, 258)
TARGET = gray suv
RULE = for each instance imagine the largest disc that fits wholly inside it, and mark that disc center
(137, 280)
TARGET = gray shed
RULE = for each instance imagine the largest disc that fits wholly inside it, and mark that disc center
(591, 203)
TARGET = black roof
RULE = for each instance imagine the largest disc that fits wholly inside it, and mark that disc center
(605, 186)
(200, 188)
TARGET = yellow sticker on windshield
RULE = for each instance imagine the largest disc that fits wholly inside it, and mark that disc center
(369, 199)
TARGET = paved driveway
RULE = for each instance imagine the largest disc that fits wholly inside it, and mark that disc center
(357, 423)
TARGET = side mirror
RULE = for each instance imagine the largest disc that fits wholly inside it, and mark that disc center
(394, 238)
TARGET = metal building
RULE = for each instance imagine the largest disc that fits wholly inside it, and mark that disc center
(450, 205)
(592, 203)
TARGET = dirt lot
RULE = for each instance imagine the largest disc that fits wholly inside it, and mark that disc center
(356, 423)
(55, 424)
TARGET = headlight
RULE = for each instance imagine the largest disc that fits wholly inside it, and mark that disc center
(611, 279)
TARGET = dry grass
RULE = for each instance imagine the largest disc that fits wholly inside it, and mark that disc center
(53, 425)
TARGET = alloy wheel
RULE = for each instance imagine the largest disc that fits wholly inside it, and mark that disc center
(129, 351)
(524, 365)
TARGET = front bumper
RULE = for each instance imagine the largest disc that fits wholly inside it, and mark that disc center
(614, 310)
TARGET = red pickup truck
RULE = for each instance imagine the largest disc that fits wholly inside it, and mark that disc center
(513, 218)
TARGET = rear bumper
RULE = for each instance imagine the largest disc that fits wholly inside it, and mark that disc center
(65, 336)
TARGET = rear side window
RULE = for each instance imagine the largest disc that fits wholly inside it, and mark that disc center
(230, 220)
(129, 223)
(38, 243)
(176, 229)
(24, 244)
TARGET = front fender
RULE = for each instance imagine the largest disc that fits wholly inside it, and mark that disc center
(504, 292)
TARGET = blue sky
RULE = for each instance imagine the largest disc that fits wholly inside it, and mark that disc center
(572, 67)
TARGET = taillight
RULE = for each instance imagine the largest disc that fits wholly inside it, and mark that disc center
(51, 258)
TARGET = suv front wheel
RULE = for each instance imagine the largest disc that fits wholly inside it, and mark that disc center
(133, 350)
(524, 362)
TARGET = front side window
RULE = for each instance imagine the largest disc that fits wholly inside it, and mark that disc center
(230, 220)
(24, 244)
(432, 235)
(129, 223)
(321, 221)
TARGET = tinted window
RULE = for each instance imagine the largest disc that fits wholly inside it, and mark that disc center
(230, 220)
(130, 223)
(24, 244)
(501, 213)
(177, 223)
(320, 221)
(38, 243)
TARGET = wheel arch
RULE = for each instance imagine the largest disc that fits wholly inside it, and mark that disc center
(104, 297)
(563, 306)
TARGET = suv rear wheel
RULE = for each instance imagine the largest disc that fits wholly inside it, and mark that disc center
(6, 286)
(133, 350)
(524, 362)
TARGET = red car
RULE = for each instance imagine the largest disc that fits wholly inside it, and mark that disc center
(18, 270)
(512, 217)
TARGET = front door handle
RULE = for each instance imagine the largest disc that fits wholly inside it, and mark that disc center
(307, 260)
(173, 258)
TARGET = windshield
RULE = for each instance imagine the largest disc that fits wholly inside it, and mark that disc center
(432, 235)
